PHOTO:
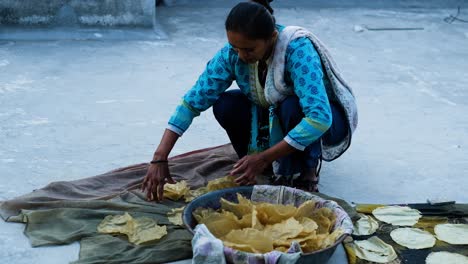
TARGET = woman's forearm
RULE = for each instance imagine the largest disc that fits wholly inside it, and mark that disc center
(277, 151)
(168, 141)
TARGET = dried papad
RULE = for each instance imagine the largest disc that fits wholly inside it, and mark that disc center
(413, 238)
(145, 230)
(374, 249)
(213, 185)
(249, 240)
(219, 223)
(289, 228)
(455, 234)
(192, 194)
(138, 231)
(115, 224)
(443, 257)
(305, 209)
(243, 207)
(175, 191)
(221, 183)
(274, 213)
(325, 219)
(175, 216)
(274, 225)
(397, 215)
(308, 225)
(366, 225)
(256, 223)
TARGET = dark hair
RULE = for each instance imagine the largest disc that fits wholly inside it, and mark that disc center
(253, 19)
(265, 3)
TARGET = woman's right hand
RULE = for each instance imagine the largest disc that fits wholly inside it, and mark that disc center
(153, 183)
(158, 173)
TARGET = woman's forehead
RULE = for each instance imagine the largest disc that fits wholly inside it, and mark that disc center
(238, 40)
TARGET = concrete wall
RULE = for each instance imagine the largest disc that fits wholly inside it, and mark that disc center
(78, 12)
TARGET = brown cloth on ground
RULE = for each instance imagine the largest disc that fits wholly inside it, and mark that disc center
(65, 212)
(197, 168)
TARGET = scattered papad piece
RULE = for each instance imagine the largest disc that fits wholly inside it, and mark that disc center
(413, 238)
(222, 183)
(145, 230)
(175, 216)
(192, 194)
(176, 190)
(138, 231)
(213, 185)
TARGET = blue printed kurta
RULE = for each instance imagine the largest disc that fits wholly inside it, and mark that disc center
(303, 71)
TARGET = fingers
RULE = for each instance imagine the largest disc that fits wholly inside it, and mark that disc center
(244, 179)
(148, 190)
(239, 167)
(153, 183)
(240, 161)
(170, 180)
(160, 191)
(153, 192)
(241, 179)
(144, 184)
(242, 167)
(252, 182)
(148, 186)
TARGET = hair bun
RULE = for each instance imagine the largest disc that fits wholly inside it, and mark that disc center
(265, 3)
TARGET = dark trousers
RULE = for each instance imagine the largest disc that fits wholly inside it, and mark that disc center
(233, 112)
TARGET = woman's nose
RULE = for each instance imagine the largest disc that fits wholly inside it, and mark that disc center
(243, 55)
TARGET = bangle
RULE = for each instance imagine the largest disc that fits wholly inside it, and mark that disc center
(158, 161)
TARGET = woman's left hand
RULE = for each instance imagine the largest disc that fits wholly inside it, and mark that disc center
(249, 167)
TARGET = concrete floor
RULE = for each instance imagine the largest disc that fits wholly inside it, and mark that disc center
(71, 109)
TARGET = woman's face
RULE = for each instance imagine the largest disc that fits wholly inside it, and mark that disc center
(251, 50)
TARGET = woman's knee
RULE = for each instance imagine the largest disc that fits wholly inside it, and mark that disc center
(231, 106)
(338, 129)
(290, 112)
